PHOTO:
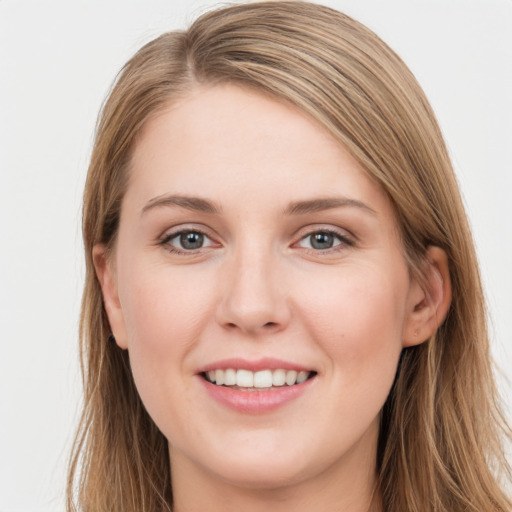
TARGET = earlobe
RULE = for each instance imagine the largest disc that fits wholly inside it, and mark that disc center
(105, 272)
(429, 300)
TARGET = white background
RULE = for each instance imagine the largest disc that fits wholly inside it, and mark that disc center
(57, 60)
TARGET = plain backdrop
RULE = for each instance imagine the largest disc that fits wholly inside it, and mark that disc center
(57, 61)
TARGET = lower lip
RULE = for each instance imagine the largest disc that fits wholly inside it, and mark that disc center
(256, 402)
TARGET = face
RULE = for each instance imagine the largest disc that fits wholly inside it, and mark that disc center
(259, 285)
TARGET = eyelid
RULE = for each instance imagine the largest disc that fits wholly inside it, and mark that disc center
(172, 233)
(323, 228)
(345, 238)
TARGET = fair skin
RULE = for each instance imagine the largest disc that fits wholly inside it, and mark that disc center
(249, 234)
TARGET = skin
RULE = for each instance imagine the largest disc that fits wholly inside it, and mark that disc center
(258, 288)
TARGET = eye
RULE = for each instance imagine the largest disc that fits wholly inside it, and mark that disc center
(187, 241)
(323, 240)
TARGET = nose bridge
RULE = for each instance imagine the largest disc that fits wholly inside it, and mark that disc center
(254, 297)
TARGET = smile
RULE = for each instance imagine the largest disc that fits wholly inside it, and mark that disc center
(256, 386)
(246, 380)
(256, 392)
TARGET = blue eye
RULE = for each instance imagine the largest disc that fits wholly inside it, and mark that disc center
(191, 240)
(323, 240)
(188, 240)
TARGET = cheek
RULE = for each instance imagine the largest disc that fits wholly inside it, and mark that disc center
(164, 310)
(358, 320)
(165, 314)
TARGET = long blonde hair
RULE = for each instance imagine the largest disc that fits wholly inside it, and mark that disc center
(440, 445)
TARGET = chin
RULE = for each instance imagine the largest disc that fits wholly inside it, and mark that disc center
(265, 475)
(269, 465)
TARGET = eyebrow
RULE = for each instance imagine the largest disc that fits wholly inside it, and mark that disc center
(199, 204)
(325, 203)
(196, 204)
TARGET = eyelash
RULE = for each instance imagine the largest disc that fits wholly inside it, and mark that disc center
(343, 239)
(171, 236)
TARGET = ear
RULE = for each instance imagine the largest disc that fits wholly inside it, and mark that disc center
(105, 271)
(429, 300)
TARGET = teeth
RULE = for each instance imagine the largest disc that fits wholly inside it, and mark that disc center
(301, 377)
(261, 379)
(291, 377)
(229, 377)
(244, 378)
(278, 377)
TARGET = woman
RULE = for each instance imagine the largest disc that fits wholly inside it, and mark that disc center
(282, 305)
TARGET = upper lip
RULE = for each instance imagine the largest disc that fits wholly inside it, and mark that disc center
(265, 363)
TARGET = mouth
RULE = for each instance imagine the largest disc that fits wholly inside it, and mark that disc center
(257, 386)
(262, 380)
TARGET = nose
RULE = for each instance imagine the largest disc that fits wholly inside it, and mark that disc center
(254, 295)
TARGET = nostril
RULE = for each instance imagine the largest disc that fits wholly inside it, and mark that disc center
(250, 325)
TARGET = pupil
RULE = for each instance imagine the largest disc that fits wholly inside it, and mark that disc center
(322, 240)
(191, 240)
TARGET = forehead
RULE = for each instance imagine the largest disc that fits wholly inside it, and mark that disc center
(225, 138)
